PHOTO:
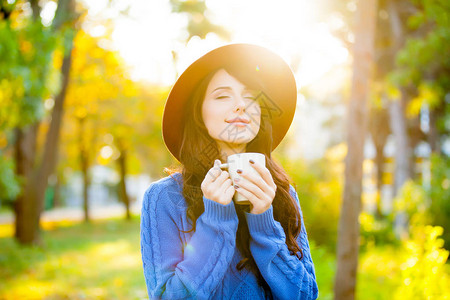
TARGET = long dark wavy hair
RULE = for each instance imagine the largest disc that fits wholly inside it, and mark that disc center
(198, 152)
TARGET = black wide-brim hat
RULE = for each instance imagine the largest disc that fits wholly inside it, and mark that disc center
(279, 96)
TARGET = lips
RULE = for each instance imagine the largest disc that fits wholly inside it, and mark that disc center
(238, 120)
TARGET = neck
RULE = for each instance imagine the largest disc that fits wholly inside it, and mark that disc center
(227, 149)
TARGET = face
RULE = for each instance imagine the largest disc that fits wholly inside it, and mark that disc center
(225, 100)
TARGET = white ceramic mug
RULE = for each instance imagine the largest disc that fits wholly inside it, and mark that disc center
(241, 161)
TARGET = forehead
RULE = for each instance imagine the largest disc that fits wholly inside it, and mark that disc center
(222, 79)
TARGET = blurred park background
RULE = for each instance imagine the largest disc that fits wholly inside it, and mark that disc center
(82, 91)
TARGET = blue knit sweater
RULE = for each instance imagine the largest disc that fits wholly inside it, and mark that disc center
(202, 264)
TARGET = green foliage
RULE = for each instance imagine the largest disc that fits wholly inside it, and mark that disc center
(414, 269)
(378, 266)
(26, 53)
(9, 182)
(375, 231)
(424, 274)
(412, 200)
(425, 54)
(423, 271)
(439, 193)
(319, 190)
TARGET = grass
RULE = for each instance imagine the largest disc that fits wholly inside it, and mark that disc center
(100, 260)
(325, 268)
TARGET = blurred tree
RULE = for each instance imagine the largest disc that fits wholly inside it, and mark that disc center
(28, 76)
(348, 234)
(420, 71)
(133, 120)
(398, 121)
(413, 40)
(411, 79)
(97, 76)
(379, 130)
(111, 119)
(151, 104)
(25, 55)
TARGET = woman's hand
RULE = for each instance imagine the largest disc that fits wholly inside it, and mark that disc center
(217, 185)
(260, 191)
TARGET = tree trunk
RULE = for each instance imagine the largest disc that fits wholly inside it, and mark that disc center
(403, 154)
(402, 143)
(35, 8)
(348, 235)
(57, 195)
(379, 163)
(122, 185)
(379, 130)
(36, 185)
(30, 204)
(433, 136)
(25, 152)
(84, 164)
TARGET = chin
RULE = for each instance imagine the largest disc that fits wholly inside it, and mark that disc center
(240, 141)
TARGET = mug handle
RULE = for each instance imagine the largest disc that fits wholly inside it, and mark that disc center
(224, 166)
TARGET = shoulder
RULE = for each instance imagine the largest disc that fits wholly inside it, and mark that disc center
(294, 195)
(166, 191)
(293, 192)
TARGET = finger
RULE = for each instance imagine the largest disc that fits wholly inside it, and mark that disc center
(221, 179)
(214, 172)
(259, 182)
(254, 179)
(255, 201)
(225, 185)
(265, 174)
(252, 188)
(229, 192)
(257, 205)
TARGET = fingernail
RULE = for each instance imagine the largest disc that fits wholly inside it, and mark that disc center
(236, 180)
(236, 186)
(239, 171)
(251, 161)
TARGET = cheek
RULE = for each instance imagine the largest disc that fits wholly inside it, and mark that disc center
(213, 115)
(256, 117)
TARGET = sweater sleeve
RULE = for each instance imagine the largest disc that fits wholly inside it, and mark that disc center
(287, 276)
(177, 270)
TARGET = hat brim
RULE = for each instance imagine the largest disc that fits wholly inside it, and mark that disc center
(280, 90)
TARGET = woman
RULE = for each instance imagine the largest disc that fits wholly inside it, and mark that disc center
(195, 241)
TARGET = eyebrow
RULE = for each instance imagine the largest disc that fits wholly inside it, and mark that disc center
(229, 89)
(222, 88)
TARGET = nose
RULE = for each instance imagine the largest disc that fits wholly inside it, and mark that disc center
(240, 103)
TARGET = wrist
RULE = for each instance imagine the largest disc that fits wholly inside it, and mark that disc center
(261, 222)
(218, 211)
(259, 210)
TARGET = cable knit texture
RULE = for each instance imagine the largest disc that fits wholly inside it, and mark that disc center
(202, 264)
